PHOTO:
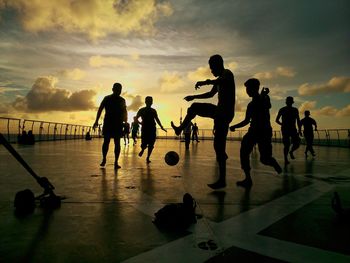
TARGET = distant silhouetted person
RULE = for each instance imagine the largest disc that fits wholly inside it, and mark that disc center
(195, 132)
(115, 115)
(149, 118)
(308, 124)
(135, 125)
(30, 137)
(126, 132)
(259, 132)
(222, 113)
(187, 135)
(88, 136)
(290, 117)
(23, 138)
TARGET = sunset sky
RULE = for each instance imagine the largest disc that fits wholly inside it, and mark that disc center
(60, 58)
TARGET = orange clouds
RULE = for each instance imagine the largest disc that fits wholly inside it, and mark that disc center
(336, 84)
(94, 18)
(44, 96)
(278, 72)
(324, 111)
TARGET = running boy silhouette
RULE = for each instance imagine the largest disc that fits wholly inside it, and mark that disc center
(126, 132)
(149, 118)
(115, 115)
(308, 124)
(290, 116)
(259, 132)
(135, 125)
(222, 113)
(195, 132)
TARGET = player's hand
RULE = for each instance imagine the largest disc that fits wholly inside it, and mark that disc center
(189, 98)
(199, 84)
(95, 125)
(265, 91)
(232, 128)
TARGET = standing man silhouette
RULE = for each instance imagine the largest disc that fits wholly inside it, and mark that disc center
(149, 118)
(308, 124)
(187, 135)
(290, 116)
(260, 131)
(115, 115)
(222, 113)
(195, 132)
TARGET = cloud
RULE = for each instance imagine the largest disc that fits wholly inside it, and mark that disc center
(171, 81)
(74, 74)
(103, 61)
(7, 89)
(44, 96)
(232, 65)
(203, 73)
(344, 112)
(94, 18)
(286, 72)
(307, 105)
(200, 73)
(4, 108)
(334, 85)
(136, 101)
(324, 111)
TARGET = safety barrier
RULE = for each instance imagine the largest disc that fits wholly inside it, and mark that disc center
(12, 129)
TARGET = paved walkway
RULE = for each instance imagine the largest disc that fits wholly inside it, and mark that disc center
(107, 214)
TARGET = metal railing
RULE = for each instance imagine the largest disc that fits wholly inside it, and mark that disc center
(12, 128)
(324, 137)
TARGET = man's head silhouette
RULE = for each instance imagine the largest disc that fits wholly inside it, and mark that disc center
(289, 101)
(307, 113)
(216, 64)
(149, 101)
(117, 88)
(252, 87)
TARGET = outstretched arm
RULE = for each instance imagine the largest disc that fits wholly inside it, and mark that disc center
(206, 95)
(244, 122)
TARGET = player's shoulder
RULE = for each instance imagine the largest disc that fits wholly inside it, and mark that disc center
(227, 73)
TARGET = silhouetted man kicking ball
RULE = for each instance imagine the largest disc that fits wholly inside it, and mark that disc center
(115, 115)
(222, 113)
(290, 116)
(149, 118)
(259, 132)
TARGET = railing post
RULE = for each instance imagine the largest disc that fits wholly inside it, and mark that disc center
(48, 132)
(40, 130)
(8, 129)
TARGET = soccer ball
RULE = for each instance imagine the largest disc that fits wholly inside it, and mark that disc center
(171, 158)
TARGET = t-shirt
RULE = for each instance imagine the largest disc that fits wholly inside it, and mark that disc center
(135, 127)
(115, 109)
(307, 122)
(259, 111)
(148, 116)
(289, 117)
